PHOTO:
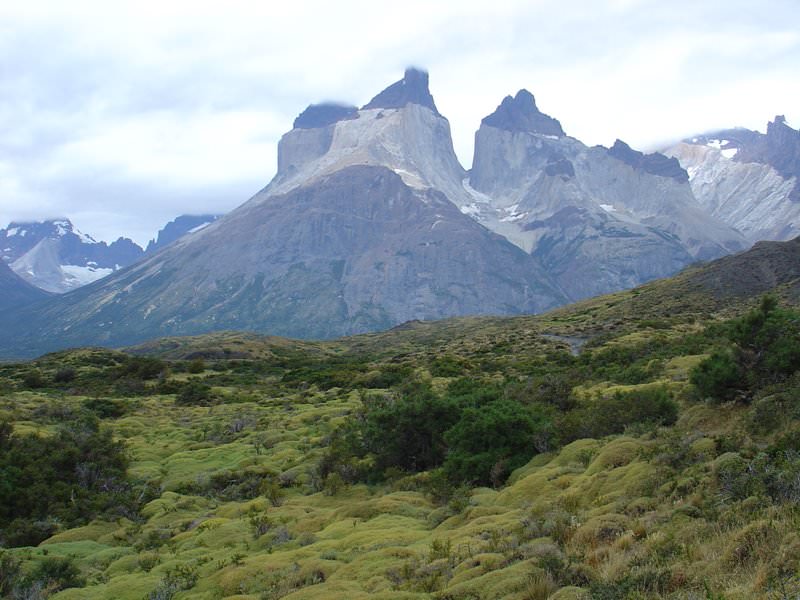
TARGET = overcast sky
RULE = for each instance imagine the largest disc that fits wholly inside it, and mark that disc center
(122, 116)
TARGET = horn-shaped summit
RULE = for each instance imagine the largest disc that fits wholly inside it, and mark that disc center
(411, 89)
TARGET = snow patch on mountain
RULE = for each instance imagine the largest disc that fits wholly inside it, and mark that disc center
(751, 197)
(78, 276)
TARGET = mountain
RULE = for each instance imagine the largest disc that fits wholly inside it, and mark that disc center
(56, 257)
(177, 228)
(15, 291)
(727, 286)
(747, 179)
(358, 231)
(599, 219)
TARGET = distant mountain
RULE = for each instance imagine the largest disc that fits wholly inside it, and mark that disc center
(358, 231)
(747, 179)
(56, 257)
(15, 292)
(599, 219)
(177, 228)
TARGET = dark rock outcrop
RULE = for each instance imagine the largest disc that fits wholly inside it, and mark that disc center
(521, 114)
(412, 88)
(177, 228)
(655, 163)
(324, 114)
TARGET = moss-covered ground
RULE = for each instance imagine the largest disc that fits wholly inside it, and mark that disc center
(233, 506)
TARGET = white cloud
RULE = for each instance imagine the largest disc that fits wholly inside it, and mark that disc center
(126, 114)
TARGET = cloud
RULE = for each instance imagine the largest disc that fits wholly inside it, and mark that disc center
(124, 115)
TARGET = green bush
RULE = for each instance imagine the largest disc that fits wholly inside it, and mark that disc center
(67, 478)
(57, 573)
(194, 393)
(763, 348)
(407, 432)
(489, 442)
(601, 416)
(719, 377)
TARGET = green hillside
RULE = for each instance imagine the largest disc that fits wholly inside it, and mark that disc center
(640, 445)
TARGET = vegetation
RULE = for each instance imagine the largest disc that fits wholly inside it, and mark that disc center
(466, 459)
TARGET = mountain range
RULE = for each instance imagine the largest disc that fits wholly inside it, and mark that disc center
(56, 257)
(371, 221)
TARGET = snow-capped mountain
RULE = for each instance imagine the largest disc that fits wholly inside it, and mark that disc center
(747, 179)
(600, 219)
(56, 257)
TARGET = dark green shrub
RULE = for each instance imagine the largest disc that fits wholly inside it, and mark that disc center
(64, 375)
(106, 408)
(33, 380)
(764, 348)
(600, 416)
(141, 367)
(195, 393)
(489, 442)
(407, 432)
(57, 573)
(67, 478)
(9, 572)
(387, 376)
(718, 377)
(196, 366)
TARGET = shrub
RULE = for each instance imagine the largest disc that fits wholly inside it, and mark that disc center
(194, 393)
(141, 367)
(57, 573)
(718, 377)
(489, 442)
(64, 375)
(105, 408)
(407, 432)
(33, 380)
(70, 477)
(605, 416)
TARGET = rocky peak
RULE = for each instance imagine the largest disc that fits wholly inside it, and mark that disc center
(521, 114)
(655, 163)
(177, 228)
(324, 114)
(411, 89)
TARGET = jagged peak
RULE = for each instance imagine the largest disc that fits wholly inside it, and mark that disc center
(324, 114)
(411, 89)
(655, 163)
(520, 113)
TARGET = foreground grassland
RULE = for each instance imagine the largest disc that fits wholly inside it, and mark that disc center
(257, 469)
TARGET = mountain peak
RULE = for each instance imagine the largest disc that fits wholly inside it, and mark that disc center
(411, 89)
(324, 114)
(520, 113)
(655, 163)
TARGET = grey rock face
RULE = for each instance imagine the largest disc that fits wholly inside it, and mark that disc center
(747, 179)
(521, 114)
(779, 148)
(411, 89)
(599, 220)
